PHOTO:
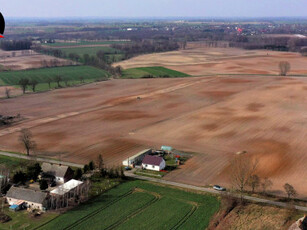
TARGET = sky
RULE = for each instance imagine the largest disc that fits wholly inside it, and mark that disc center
(153, 8)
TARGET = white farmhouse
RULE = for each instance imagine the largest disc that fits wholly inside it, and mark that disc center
(155, 163)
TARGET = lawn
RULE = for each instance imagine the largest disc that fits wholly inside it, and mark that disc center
(154, 71)
(140, 205)
(23, 220)
(13, 163)
(71, 74)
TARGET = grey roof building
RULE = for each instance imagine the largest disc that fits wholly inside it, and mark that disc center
(27, 195)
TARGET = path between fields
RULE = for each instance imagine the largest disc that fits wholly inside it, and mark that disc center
(40, 159)
(176, 184)
(209, 190)
(40, 121)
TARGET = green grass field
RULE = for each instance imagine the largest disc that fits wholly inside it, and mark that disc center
(71, 74)
(140, 205)
(84, 43)
(154, 71)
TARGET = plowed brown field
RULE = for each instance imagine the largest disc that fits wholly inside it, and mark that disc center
(214, 116)
(198, 59)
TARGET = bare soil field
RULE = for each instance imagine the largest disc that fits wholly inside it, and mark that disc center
(214, 116)
(29, 60)
(198, 59)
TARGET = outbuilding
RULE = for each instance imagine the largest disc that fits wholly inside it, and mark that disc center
(30, 198)
(137, 158)
(61, 173)
(155, 163)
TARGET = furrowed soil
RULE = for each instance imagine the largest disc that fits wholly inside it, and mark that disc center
(198, 59)
(212, 116)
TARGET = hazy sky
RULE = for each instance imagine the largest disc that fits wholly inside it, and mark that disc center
(153, 8)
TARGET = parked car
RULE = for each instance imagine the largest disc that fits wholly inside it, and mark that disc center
(127, 168)
(219, 188)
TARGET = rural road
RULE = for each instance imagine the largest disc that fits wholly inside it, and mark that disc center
(176, 184)
(40, 159)
(209, 190)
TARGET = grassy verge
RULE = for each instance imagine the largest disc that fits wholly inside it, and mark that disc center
(151, 71)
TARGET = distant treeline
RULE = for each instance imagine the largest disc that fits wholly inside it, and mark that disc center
(99, 60)
(146, 46)
(271, 43)
(16, 45)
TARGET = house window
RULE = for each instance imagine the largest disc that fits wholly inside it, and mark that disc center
(146, 166)
(153, 166)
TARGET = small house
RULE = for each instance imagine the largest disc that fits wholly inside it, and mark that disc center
(29, 198)
(61, 173)
(155, 163)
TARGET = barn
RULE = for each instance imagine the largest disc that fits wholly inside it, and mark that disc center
(155, 163)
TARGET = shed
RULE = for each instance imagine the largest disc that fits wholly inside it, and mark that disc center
(166, 148)
(137, 158)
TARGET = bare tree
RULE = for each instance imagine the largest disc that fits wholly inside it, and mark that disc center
(23, 82)
(49, 82)
(7, 92)
(26, 139)
(254, 182)
(33, 84)
(57, 79)
(290, 190)
(100, 163)
(284, 68)
(242, 168)
(265, 184)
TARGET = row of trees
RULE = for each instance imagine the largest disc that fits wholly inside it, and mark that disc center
(15, 45)
(244, 175)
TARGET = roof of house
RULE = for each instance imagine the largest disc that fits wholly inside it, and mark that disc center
(54, 169)
(26, 195)
(64, 188)
(152, 160)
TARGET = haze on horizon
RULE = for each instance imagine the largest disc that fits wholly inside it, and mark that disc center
(153, 8)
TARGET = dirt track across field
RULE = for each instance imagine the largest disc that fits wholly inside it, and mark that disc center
(213, 116)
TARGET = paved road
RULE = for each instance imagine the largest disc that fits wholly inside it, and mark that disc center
(209, 190)
(40, 159)
(180, 185)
